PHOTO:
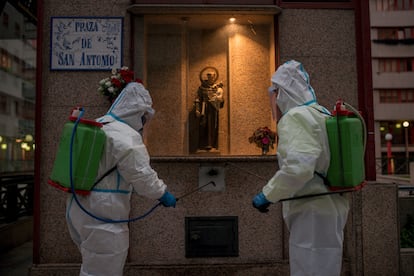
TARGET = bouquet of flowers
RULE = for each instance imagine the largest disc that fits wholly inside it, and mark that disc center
(112, 86)
(263, 137)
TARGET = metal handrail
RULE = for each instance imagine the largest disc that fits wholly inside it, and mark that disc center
(401, 165)
(16, 196)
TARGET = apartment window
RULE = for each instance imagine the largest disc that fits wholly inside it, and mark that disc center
(387, 33)
(5, 60)
(396, 95)
(17, 29)
(393, 36)
(5, 19)
(17, 66)
(395, 33)
(4, 107)
(386, 65)
(394, 5)
(28, 110)
(409, 32)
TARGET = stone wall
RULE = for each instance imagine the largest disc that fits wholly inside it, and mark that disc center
(324, 41)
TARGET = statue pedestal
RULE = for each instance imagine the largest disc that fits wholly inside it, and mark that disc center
(208, 152)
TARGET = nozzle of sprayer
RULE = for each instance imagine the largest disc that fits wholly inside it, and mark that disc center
(340, 109)
(76, 111)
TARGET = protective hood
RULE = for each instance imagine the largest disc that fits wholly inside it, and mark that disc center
(294, 88)
(133, 106)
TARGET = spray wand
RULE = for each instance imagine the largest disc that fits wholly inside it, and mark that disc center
(340, 191)
(196, 190)
(75, 197)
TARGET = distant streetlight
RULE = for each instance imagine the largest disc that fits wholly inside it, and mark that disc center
(28, 138)
(388, 138)
(406, 124)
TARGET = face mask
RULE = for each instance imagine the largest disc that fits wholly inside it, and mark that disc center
(144, 119)
(272, 98)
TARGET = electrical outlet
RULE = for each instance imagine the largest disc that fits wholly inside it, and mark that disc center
(208, 173)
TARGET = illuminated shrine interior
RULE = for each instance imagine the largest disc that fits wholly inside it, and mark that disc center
(172, 50)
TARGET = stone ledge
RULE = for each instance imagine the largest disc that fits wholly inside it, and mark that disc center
(206, 158)
(274, 268)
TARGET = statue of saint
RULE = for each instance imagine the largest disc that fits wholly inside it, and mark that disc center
(207, 104)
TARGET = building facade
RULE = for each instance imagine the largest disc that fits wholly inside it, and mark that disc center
(392, 47)
(169, 44)
(18, 89)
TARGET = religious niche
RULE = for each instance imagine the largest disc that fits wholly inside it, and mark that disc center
(208, 83)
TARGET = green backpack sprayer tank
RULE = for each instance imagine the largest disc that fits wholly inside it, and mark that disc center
(86, 149)
(346, 134)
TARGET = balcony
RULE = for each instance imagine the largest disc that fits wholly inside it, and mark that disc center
(391, 18)
(393, 80)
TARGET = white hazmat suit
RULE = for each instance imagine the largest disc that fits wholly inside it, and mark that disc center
(104, 246)
(316, 224)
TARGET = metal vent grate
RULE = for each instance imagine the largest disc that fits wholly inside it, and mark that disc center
(211, 237)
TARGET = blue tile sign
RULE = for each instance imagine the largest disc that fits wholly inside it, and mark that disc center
(86, 43)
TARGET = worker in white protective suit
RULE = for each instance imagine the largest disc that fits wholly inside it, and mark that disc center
(316, 223)
(104, 246)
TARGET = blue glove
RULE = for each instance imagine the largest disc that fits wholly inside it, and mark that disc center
(168, 200)
(261, 203)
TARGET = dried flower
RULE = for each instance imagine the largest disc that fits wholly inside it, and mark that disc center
(263, 137)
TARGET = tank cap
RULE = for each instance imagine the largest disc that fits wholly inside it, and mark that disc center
(75, 113)
(340, 109)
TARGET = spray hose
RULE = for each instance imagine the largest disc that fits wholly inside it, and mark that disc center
(340, 191)
(364, 126)
(72, 186)
(356, 112)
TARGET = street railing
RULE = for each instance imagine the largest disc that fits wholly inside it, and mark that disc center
(400, 165)
(16, 196)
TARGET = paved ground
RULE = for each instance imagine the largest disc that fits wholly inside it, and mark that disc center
(17, 261)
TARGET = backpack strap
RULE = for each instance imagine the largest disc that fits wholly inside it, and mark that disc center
(103, 176)
(324, 178)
